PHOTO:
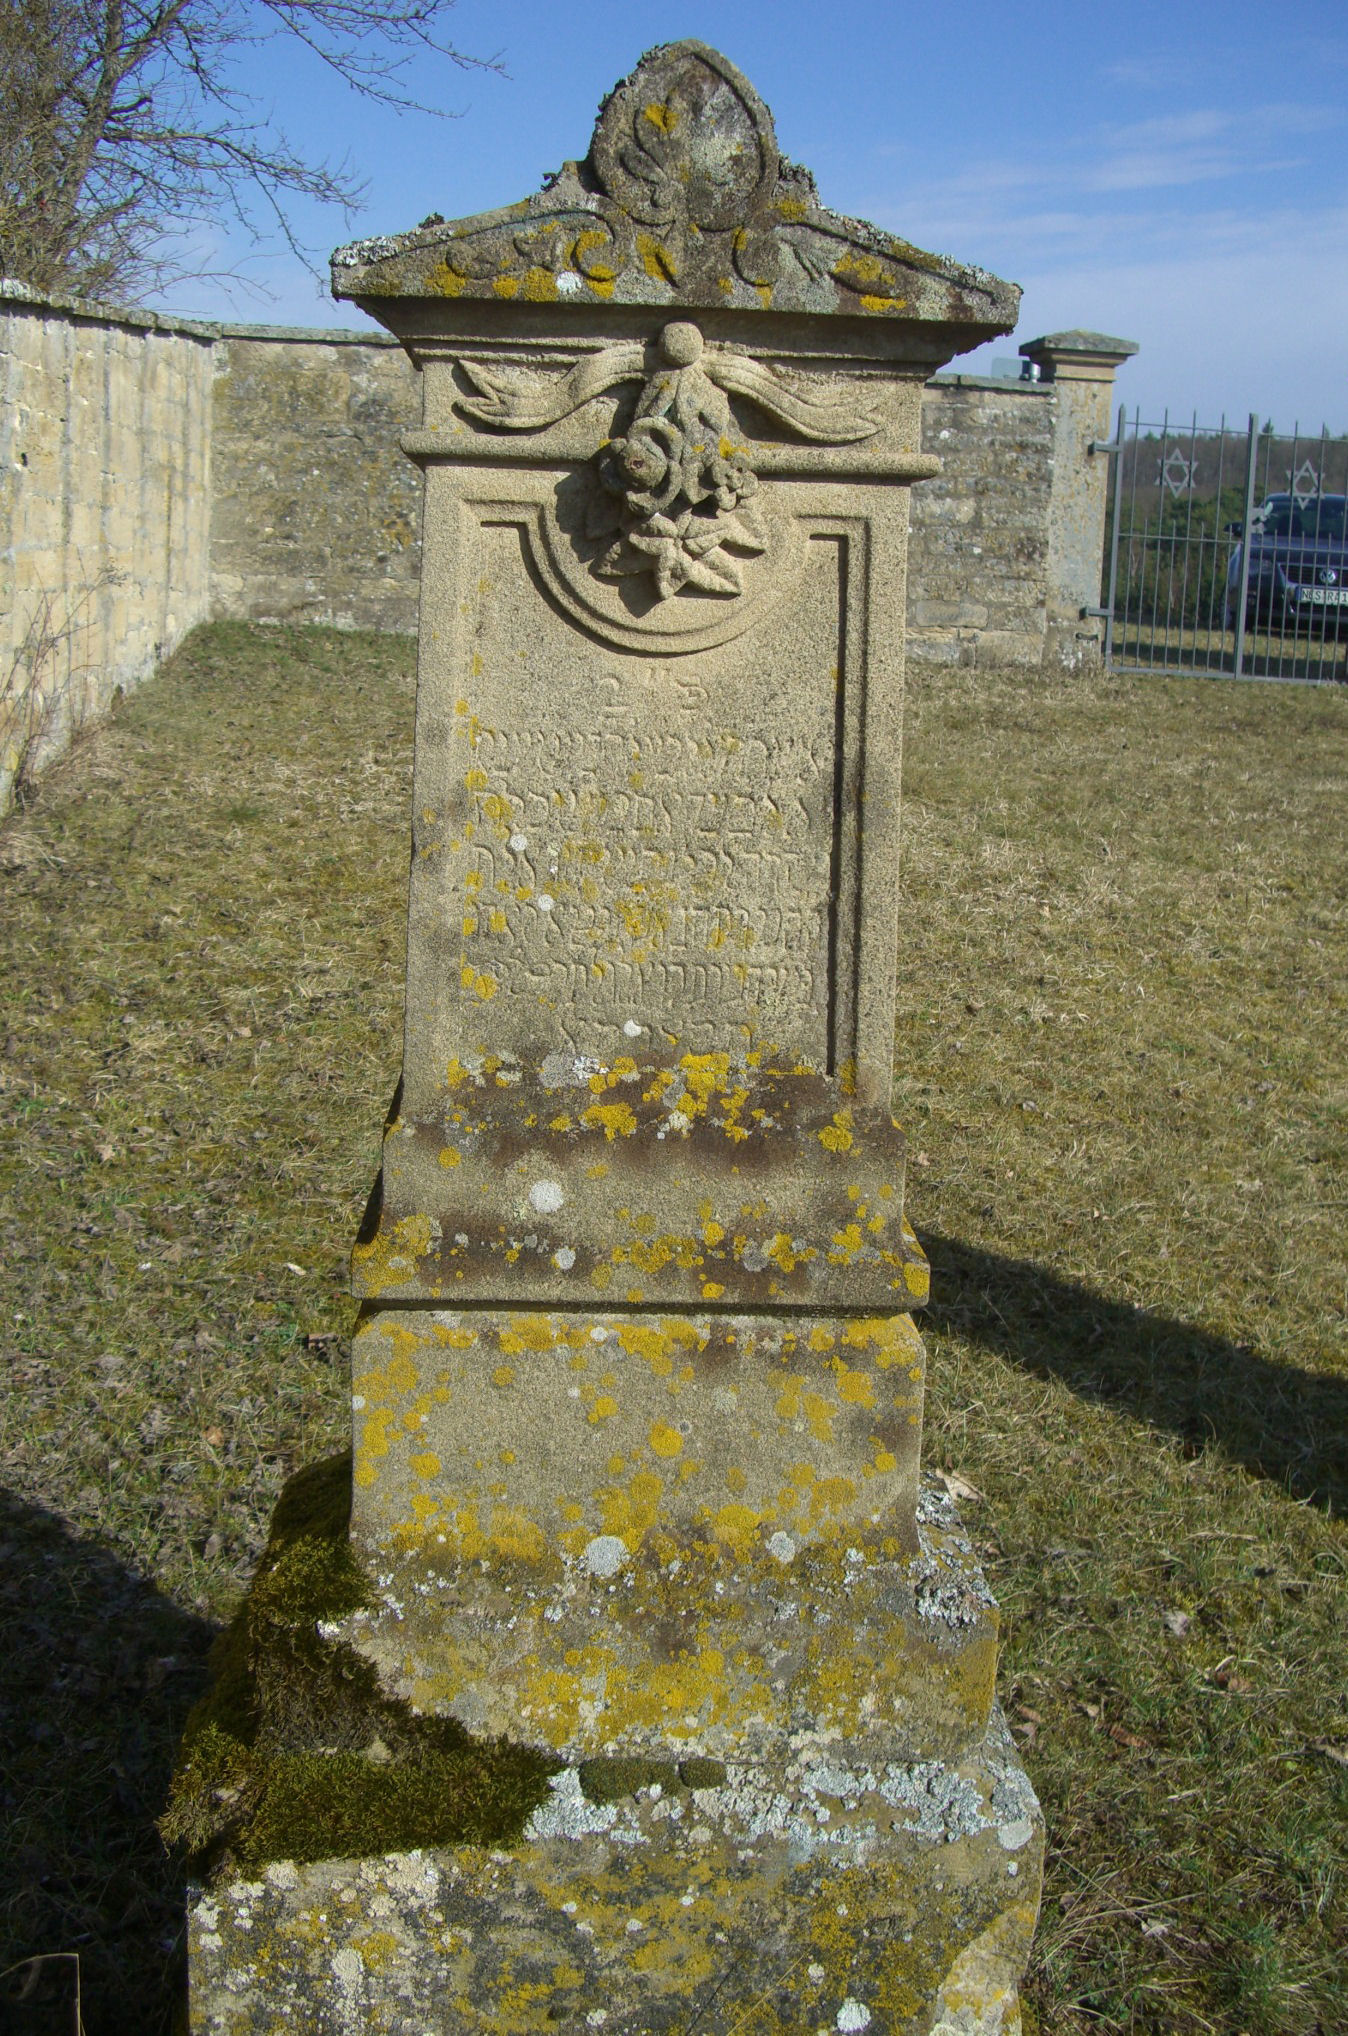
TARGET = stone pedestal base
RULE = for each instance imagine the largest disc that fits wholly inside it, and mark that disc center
(864, 1854)
(898, 1898)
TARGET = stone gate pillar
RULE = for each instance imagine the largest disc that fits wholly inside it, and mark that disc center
(1081, 366)
(637, 1392)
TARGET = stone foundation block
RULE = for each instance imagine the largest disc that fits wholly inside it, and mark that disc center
(685, 1646)
(813, 1895)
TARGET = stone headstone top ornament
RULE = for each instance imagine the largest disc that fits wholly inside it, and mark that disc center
(684, 201)
(636, 1388)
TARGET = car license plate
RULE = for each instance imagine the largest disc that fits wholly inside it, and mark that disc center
(1324, 597)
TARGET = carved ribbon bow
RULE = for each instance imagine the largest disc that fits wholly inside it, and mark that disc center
(522, 399)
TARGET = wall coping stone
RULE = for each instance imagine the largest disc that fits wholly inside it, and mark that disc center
(1007, 385)
(88, 308)
(1078, 356)
(313, 335)
(1080, 341)
(139, 319)
(90, 311)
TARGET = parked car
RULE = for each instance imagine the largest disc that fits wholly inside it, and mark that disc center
(1298, 564)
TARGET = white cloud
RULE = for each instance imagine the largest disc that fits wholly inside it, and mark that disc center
(1018, 203)
(1200, 147)
(1213, 236)
(1249, 323)
(1147, 74)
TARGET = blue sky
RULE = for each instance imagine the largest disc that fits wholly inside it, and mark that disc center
(1173, 171)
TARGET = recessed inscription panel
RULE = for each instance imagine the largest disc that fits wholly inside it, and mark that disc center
(630, 855)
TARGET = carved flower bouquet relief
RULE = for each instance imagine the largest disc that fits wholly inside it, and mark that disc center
(677, 491)
(673, 504)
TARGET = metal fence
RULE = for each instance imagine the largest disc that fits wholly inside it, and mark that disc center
(1184, 591)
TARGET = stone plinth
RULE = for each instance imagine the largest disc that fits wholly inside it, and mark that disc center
(676, 1696)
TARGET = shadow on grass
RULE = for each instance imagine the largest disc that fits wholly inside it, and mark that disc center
(97, 1672)
(1282, 1423)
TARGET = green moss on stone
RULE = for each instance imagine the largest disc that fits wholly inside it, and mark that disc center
(320, 1806)
(700, 1773)
(297, 1753)
(608, 1780)
(215, 1784)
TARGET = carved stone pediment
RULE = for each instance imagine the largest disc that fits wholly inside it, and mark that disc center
(682, 200)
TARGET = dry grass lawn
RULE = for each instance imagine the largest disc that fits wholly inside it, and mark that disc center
(1124, 960)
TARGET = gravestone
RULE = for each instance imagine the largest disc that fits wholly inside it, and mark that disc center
(651, 1594)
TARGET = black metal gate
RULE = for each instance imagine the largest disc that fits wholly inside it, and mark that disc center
(1226, 551)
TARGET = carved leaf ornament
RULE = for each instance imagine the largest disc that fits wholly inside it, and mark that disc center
(676, 493)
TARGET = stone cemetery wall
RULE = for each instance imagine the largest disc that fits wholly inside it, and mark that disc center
(978, 550)
(316, 514)
(105, 465)
(155, 471)
(308, 527)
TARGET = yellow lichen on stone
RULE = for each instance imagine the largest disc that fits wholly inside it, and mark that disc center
(782, 1252)
(819, 1416)
(413, 1234)
(479, 985)
(453, 1335)
(737, 1525)
(705, 1076)
(789, 1397)
(616, 1120)
(656, 259)
(526, 1330)
(837, 1136)
(444, 281)
(856, 1388)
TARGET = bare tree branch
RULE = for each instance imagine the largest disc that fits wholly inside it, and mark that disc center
(121, 127)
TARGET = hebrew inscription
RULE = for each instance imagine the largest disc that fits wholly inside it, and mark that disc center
(638, 860)
(668, 882)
